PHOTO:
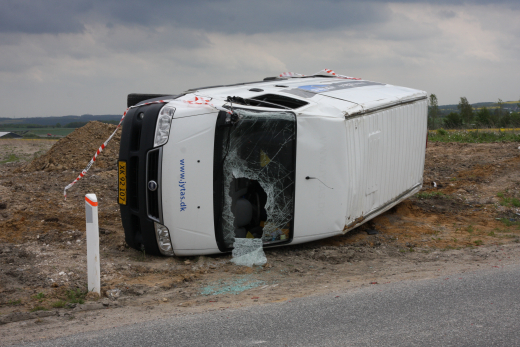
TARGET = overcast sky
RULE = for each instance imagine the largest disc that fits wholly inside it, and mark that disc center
(76, 57)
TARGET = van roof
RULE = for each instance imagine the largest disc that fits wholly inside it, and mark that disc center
(349, 95)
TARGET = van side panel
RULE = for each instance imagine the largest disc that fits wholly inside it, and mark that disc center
(385, 158)
(321, 199)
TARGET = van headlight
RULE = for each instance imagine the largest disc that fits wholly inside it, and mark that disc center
(163, 239)
(162, 128)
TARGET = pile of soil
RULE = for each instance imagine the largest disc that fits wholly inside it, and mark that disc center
(32, 192)
(74, 151)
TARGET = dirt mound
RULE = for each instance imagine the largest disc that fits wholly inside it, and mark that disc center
(407, 209)
(75, 151)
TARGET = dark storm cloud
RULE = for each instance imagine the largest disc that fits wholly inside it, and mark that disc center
(39, 16)
(236, 16)
(226, 16)
(513, 3)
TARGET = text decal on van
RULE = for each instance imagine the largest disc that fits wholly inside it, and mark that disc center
(182, 185)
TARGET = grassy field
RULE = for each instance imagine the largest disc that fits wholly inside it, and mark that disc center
(475, 135)
(13, 150)
(489, 130)
(42, 131)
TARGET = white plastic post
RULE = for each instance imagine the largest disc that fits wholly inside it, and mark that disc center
(93, 269)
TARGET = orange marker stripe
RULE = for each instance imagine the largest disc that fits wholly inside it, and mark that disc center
(91, 203)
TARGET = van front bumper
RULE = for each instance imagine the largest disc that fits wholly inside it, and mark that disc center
(143, 206)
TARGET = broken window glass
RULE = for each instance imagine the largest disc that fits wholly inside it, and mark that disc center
(248, 252)
(254, 176)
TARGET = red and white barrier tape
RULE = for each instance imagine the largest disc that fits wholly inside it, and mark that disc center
(201, 101)
(331, 72)
(102, 147)
(197, 101)
(326, 71)
(291, 74)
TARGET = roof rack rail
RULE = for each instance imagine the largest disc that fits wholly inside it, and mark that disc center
(276, 78)
(191, 89)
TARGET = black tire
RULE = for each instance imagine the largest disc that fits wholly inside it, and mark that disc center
(134, 98)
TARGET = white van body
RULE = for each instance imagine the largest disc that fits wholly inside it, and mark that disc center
(359, 150)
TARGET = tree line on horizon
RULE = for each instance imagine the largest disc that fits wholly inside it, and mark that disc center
(470, 117)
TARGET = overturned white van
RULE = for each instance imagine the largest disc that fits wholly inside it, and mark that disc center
(287, 160)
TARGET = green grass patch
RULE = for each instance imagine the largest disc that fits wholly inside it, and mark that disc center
(411, 249)
(442, 132)
(38, 308)
(140, 256)
(510, 202)
(498, 230)
(430, 195)
(15, 302)
(478, 242)
(510, 223)
(31, 135)
(39, 297)
(76, 296)
(59, 304)
(11, 158)
(474, 136)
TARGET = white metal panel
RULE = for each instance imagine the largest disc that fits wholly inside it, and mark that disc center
(373, 97)
(374, 159)
(321, 200)
(344, 106)
(385, 156)
(190, 149)
(369, 97)
(323, 110)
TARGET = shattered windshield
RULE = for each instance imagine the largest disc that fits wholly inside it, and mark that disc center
(254, 176)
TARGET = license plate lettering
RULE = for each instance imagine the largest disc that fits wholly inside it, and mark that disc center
(122, 182)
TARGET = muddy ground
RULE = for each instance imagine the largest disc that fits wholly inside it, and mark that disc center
(467, 217)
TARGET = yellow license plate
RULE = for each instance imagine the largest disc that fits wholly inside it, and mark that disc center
(122, 181)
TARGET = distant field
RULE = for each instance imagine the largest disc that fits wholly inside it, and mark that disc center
(10, 121)
(475, 135)
(42, 131)
(480, 130)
